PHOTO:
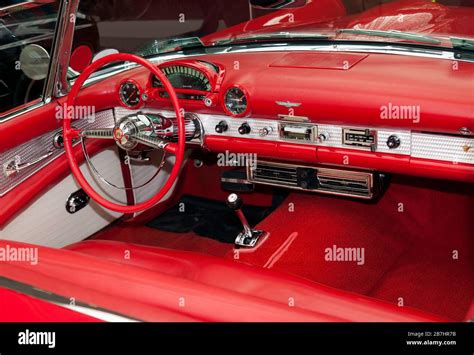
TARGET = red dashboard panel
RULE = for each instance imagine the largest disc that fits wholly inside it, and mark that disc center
(442, 89)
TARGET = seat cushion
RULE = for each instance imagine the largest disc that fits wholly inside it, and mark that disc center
(250, 280)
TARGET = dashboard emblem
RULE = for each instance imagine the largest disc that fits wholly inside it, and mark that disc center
(288, 104)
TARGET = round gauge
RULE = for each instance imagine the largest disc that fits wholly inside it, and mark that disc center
(235, 101)
(130, 94)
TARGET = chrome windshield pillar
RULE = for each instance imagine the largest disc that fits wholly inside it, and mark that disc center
(57, 84)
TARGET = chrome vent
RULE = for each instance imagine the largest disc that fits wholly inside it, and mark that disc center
(315, 179)
(273, 173)
(345, 183)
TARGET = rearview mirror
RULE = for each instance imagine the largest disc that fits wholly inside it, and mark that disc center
(34, 62)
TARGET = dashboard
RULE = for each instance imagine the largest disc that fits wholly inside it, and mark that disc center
(307, 108)
(312, 123)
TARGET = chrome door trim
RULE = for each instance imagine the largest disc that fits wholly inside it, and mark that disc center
(31, 106)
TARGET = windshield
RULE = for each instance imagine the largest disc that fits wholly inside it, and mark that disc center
(26, 38)
(152, 27)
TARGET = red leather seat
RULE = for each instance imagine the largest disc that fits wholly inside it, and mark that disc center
(251, 281)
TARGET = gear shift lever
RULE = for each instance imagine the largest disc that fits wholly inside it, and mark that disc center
(248, 237)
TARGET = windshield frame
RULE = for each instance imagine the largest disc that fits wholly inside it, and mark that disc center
(65, 9)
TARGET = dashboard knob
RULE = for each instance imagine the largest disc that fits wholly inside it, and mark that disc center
(323, 137)
(393, 142)
(244, 128)
(222, 127)
(265, 131)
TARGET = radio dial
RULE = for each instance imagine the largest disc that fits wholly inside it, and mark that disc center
(222, 127)
(393, 142)
(244, 129)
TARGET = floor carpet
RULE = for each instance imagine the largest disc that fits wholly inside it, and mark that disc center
(413, 247)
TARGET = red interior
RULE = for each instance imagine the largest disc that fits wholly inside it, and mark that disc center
(409, 254)
(417, 236)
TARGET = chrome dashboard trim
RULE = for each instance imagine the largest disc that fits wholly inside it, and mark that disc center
(455, 149)
(334, 132)
(442, 147)
(41, 145)
(432, 146)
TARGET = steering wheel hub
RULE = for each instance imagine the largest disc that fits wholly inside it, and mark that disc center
(123, 134)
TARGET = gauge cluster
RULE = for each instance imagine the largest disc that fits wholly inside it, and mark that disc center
(184, 77)
(194, 81)
(197, 83)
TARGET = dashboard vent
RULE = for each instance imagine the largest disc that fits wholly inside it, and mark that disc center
(275, 173)
(345, 183)
(350, 183)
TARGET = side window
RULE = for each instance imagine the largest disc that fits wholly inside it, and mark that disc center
(26, 36)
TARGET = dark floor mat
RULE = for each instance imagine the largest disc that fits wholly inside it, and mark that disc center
(209, 218)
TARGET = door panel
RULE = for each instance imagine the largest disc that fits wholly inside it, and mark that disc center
(46, 221)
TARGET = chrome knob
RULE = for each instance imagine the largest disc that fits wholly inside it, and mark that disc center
(323, 137)
(265, 131)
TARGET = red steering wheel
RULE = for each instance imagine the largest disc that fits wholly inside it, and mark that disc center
(69, 134)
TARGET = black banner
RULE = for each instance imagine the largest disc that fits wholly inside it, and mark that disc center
(431, 338)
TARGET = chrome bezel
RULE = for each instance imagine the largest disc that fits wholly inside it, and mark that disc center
(243, 94)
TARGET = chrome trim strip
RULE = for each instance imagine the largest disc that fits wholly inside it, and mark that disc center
(412, 143)
(58, 84)
(442, 147)
(64, 302)
(44, 143)
(33, 105)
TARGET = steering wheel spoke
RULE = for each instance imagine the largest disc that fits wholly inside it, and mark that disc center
(150, 141)
(102, 133)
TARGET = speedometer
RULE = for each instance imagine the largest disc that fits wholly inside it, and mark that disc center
(184, 77)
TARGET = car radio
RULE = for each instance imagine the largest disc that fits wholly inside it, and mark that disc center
(296, 131)
(366, 138)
